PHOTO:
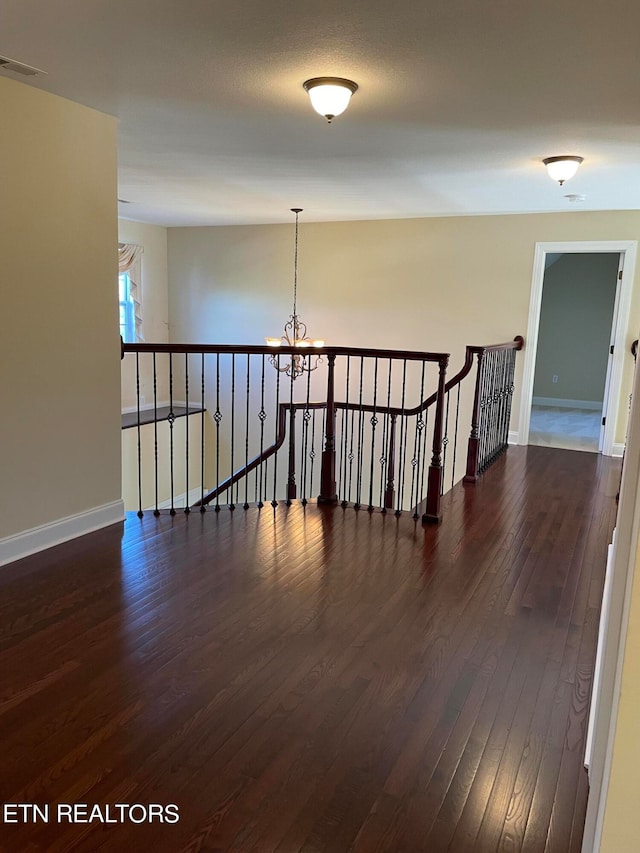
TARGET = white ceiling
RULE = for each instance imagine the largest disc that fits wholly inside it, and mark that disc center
(459, 101)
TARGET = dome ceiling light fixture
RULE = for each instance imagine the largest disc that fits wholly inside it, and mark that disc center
(563, 167)
(329, 96)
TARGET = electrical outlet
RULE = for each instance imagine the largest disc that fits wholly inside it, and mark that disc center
(554, 379)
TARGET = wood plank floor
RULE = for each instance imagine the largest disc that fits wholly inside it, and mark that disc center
(319, 680)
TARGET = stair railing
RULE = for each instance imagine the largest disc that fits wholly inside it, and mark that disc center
(364, 431)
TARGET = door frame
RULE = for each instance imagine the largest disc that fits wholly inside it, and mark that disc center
(628, 250)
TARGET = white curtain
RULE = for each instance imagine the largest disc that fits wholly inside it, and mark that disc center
(128, 261)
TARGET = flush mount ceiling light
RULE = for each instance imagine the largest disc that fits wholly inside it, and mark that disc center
(563, 167)
(330, 96)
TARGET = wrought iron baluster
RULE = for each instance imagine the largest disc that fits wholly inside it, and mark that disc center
(232, 503)
(417, 449)
(171, 418)
(374, 423)
(217, 418)
(262, 415)
(445, 440)
(403, 442)
(304, 444)
(360, 428)
(384, 456)
(455, 438)
(424, 456)
(346, 493)
(312, 452)
(187, 422)
(246, 436)
(274, 502)
(140, 512)
(202, 432)
(156, 511)
(291, 464)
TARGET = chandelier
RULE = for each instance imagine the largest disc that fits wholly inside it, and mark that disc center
(295, 331)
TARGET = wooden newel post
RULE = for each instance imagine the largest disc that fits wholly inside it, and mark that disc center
(328, 492)
(433, 512)
(473, 449)
(390, 492)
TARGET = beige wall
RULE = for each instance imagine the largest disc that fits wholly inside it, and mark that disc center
(154, 306)
(59, 373)
(132, 490)
(434, 284)
(575, 327)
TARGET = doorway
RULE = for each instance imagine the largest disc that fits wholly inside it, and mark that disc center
(626, 252)
(575, 338)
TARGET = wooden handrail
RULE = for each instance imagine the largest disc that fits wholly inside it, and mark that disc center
(263, 349)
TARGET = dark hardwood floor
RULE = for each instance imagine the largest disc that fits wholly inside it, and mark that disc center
(319, 680)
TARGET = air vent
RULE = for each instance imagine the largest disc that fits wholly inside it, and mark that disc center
(7, 64)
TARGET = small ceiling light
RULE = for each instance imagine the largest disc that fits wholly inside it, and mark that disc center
(563, 167)
(330, 96)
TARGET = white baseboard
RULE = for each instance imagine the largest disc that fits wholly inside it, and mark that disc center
(618, 450)
(514, 437)
(179, 500)
(47, 535)
(559, 403)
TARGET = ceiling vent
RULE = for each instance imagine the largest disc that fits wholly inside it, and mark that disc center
(7, 64)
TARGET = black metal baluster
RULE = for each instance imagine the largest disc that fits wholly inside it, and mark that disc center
(171, 418)
(386, 502)
(374, 423)
(232, 504)
(504, 423)
(202, 430)
(156, 511)
(246, 437)
(274, 502)
(304, 444)
(345, 430)
(360, 429)
(291, 459)
(417, 449)
(403, 442)
(187, 508)
(140, 512)
(312, 452)
(495, 406)
(217, 418)
(482, 431)
(455, 437)
(445, 440)
(425, 455)
(350, 455)
(262, 415)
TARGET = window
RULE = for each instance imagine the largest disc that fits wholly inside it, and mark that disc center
(130, 292)
(127, 309)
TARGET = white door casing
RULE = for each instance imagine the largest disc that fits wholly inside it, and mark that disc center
(627, 250)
